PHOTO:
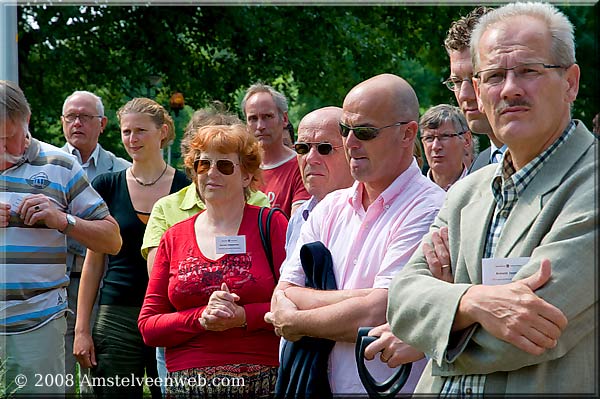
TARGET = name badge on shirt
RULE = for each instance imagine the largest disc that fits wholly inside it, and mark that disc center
(231, 245)
(498, 271)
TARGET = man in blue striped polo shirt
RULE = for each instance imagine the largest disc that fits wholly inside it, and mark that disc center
(44, 197)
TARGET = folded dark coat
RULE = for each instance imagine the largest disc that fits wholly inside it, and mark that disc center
(303, 368)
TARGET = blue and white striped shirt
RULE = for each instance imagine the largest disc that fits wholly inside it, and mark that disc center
(33, 264)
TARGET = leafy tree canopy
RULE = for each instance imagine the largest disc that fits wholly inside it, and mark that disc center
(313, 54)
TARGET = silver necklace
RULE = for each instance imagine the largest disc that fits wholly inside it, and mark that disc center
(141, 183)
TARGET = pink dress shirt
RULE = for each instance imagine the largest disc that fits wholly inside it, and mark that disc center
(368, 247)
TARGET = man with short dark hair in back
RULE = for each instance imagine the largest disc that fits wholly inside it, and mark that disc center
(459, 82)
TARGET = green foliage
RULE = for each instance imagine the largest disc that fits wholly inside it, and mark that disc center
(7, 388)
(313, 54)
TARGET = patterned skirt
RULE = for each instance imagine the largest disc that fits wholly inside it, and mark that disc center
(233, 381)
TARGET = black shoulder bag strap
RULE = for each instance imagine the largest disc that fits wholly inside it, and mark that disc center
(265, 235)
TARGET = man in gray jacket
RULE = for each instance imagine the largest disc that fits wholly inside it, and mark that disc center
(519, 315)
(83, 122)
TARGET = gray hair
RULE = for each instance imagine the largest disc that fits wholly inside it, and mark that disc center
(278, 98)
(559, 26)
(435, 116)
(99, 105)
(13, 104)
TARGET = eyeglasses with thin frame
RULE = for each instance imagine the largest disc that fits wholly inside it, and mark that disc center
(528, 71)
(224, 166)
(323, 147)
(83, 118)
(455, 84)
(444, 137)
(365, 133)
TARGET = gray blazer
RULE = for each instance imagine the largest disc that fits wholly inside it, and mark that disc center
(483, 159)
(554, 218)
(107, 162)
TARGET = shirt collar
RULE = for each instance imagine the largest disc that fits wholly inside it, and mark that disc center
(93, 159)
(398, 186)
(464, 172)
(31, 152)
(191, 199)
(312, 202)
(493, 150)
(525, 175)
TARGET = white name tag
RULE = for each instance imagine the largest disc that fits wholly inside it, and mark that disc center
(231, 245)
(497, 271)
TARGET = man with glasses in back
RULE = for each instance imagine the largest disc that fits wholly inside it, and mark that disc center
(83, 121)
(519, 316)
(446, 138)
(371, 228)
(323, 165)
(459, 82)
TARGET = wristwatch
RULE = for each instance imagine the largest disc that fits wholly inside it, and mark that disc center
(71, 221)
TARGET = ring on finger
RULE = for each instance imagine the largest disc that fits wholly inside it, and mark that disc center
(37, 208)
(445, 266)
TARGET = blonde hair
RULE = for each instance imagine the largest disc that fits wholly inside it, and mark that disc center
(157, 112)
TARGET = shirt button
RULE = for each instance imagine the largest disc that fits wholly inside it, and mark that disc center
(468, 391)
(386, 207)
(355, 261)
(504, 214)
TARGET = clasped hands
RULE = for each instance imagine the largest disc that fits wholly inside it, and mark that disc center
(281, 315)
(222, 312)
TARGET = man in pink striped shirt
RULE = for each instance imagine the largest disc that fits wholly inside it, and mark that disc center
(371, 228)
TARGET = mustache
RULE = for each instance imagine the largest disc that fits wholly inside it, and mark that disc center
(504, 104)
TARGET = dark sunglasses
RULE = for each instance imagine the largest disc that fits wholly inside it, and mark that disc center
(324, 148)
(365, 132)
(225, 166)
